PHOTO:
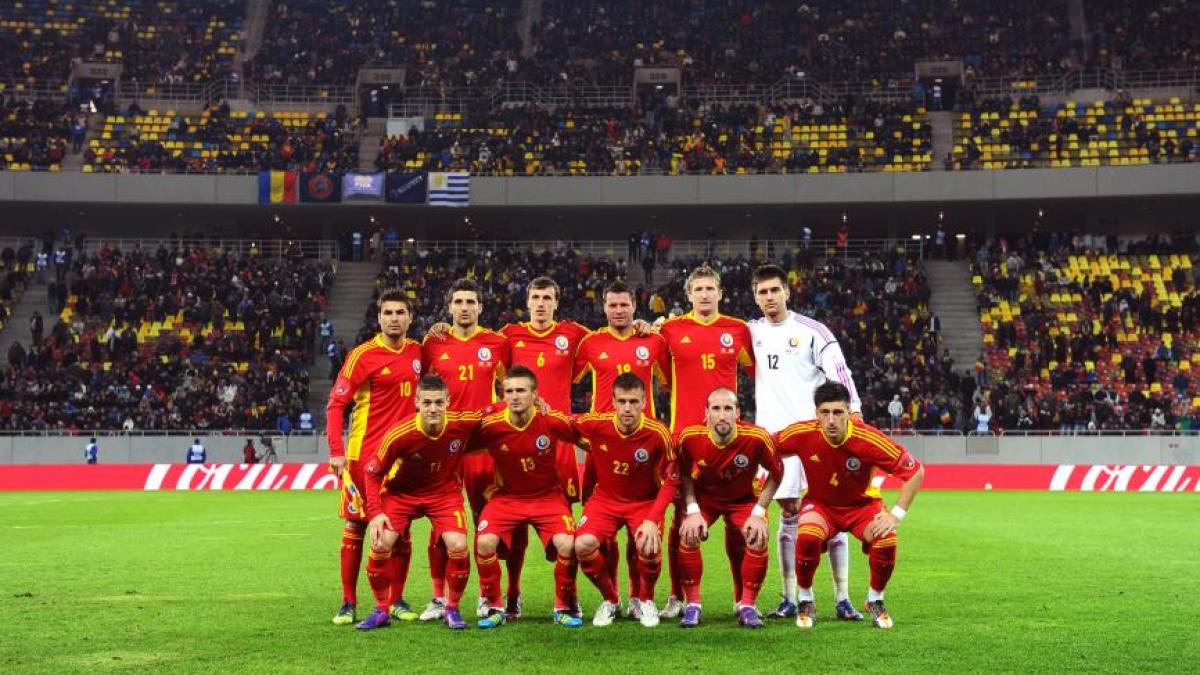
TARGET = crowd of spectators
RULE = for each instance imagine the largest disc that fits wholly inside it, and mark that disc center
(449, 42)
(776, 138)
(1113, 356)
(190, 338)
(38, 134)
(221, 140)
(740, 41)
(877, 306)
(1160, 34)
(156, 42)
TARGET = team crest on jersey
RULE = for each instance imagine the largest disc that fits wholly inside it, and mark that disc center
(642, 455)
(741, 461)
(794, 342)
(542, 443)
(417, 366)
(455, 445)
(726, 340)
(561, 342)
(642, 353)
(485, 354)
(853, 464)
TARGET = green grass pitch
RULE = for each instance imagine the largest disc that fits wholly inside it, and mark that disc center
(247, 582)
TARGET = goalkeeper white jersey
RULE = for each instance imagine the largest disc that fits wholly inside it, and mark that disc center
(791, 359)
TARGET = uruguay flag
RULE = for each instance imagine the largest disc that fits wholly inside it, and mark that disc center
(449, 189)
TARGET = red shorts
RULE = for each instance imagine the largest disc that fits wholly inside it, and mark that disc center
(852, 519)
(548, 514)
(351, 503)
(734, 513)
(603, 517)
(444, 510)
(478, 472)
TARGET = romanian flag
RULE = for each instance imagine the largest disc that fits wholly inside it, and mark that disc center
(277, 187)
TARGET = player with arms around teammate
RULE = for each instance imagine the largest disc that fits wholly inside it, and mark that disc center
(718, 462)
(471, 360)
(607, 353)
(793, 355)
(840, 457)
(637, 478)
(378, 378)
(706, 350)
(414, 474)
(528, 492)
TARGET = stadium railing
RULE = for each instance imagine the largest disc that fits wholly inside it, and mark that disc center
(684, 248)
(321, 249)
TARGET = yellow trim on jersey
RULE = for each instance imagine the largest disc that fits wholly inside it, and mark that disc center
(849, 432)
(378, 340)
(478, 329)
(420, 426)
(641, 423)
(358, 422)
(880, 442)
(508, 418)
(391, 437)
(533, 331)
(352, 358)
(797, 428)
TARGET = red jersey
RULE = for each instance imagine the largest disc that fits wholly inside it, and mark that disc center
(726, 473)
(525, 456)
(634, 468)
(840, 475)
(704, 356)
(550, 354)
(605, 356)
(471, 367)
(410, 461)
(381, 382)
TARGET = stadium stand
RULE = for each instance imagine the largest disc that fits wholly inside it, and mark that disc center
(155, 40)
(36, 135)
(712, 140)
(189, 338)
(310, 42)
(1005, 134)
(220, 140)
(1155, 34)
(1085, 334)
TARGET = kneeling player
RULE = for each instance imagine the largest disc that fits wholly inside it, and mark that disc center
(521, 441)
(718, 462)
(413, 475)
(636, 478)
(840, 457)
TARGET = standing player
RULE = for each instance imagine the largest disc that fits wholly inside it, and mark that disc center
(414, 474)
(606, 354)
(527, 492)
(794, 355)
(840, 456)
(718, 462)
(706, 350)
(547, 347)
(636, 478)
(379, 377)
(470, 359)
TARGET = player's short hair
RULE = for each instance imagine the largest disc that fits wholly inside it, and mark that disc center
(766, 273)
(521, 371)
(393, 295)
(541, 284)
(464, 285)
(708, 399)
(629, 382)
(831, 392)
(701, 272)
(618, 286)
(432, 382)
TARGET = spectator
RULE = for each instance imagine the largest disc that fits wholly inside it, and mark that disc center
(895, 410)
(249, 456)
(196, 453)
(91, 452)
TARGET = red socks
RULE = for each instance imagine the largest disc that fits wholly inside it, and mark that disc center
(401, 559)
(810, 539)
(649, 570)
(735, 552)
(882, 557)
(437, 566)
(351, 557)
(565, 594)
(596, 569)
(458, 571)
(674, 569)
(516, 560)
(753, 571)
(379, 569)
(489, 579)
(691, 569)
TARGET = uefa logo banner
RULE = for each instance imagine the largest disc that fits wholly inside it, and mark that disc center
(363, 186)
